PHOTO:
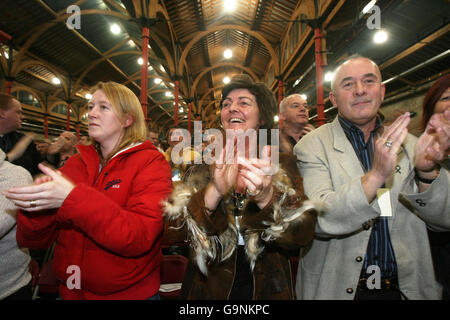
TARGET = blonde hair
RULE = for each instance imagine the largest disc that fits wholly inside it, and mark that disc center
(124, 102)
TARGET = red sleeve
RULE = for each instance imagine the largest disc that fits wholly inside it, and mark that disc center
(36, 230)
(130, 230)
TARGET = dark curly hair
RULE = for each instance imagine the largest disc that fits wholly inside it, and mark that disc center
(265, 99)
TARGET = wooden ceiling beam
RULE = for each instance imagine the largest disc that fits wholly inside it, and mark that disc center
(420, 44)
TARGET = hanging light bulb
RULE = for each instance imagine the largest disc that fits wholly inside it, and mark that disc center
(329, 76)
(380, 36)
(226, 79)
(229, 5)
(115, 29)
(227, 54)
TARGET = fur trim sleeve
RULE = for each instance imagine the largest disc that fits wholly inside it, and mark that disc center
(211, 236)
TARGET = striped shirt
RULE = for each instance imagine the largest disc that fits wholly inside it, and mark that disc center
(379, 249)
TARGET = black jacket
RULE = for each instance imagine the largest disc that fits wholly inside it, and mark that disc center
(30, 158)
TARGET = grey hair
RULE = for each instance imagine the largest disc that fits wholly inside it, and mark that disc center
(283, 103)
(352, 57)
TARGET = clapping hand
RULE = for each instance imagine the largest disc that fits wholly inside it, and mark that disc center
(387, 147)
(256, 174)
(47, 192)
(434, 145)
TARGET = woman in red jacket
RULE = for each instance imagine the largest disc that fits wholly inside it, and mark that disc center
(104, 210)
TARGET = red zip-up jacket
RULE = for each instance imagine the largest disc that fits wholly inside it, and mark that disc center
(110, 225)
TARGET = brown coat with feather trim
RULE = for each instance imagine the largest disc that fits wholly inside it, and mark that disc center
(286, 223)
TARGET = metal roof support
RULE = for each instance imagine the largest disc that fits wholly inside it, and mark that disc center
(4, 37)
(280, 97)
(46, 126)
(144, 71)
(46, 116)
(189, 116)
(78, 130)
(175, 107)
(280, 93)
(319, 76)
(68, 116)
(419, 66)
(9, 79)
(69, 101)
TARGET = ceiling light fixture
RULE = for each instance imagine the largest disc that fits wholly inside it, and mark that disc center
(304, 96)
(229, 5)
(140, 61)
(329, 76)
(115, 29)
(227, 54)
(226, 79)
(157, 80)
(380, 36)
(55, 80)
(88, 96)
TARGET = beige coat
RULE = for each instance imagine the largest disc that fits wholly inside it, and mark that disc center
(332, 173)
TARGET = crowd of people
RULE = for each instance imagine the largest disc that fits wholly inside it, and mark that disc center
(363, 206)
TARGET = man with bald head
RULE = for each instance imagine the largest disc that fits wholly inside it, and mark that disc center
(382, 188)
(62, 149)
(294, 114)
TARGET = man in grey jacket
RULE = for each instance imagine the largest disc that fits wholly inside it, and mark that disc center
(382, 187)
(14, 275)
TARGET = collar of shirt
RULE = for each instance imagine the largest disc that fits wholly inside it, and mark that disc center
(363, 150)
(350, 127)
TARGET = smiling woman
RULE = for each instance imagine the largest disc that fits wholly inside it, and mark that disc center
(104, 206)
(241, 215)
